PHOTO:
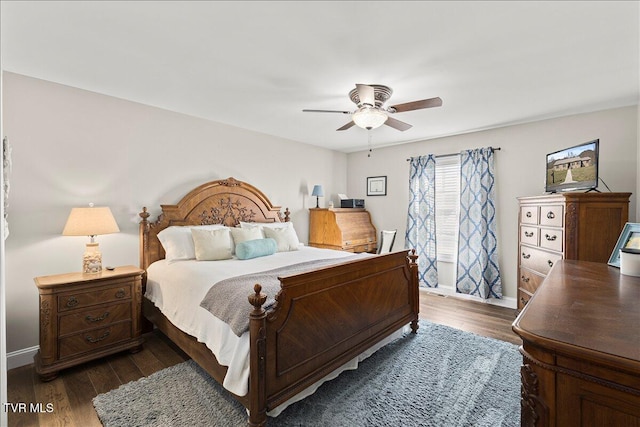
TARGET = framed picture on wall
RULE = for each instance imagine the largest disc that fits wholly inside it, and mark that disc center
(629, 239)
(377, 186)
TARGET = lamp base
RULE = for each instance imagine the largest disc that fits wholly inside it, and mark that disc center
(92, 259)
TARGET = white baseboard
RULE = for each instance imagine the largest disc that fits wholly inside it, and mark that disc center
(23, 357)
(508, 302)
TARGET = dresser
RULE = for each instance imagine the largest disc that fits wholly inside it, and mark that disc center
(345, 229)
(580, 226)
(87, 316)
(581, 348)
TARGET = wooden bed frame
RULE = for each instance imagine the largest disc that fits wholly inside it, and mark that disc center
(350, 306)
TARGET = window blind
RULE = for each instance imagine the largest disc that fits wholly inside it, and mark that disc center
(447, 206)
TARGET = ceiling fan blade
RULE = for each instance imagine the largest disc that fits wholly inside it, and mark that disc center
(366, 94)
(326, 111)
(417, 105)
(347, 126)
(397, 124)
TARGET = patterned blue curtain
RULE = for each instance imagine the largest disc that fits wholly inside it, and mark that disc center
(478, 271)
(421, 218)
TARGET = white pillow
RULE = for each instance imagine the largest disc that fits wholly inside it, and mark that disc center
(263, 225)
(178, 243)
(212, 245)
(240, 235)
(286, 238)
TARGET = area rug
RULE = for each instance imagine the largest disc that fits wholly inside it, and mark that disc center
(438, 377)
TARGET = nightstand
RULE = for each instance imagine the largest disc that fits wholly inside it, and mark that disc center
(87, 316)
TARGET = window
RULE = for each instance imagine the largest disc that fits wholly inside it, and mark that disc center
(447, 206)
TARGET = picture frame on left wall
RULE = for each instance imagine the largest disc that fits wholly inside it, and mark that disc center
(376, 186)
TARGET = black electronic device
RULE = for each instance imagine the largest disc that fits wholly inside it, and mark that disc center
(352, 203)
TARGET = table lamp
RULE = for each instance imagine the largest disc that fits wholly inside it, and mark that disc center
(318, 192)
(91, 222)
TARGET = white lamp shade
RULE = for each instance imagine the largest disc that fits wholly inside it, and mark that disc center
(90, 221)
(369, 118)
(317, 191)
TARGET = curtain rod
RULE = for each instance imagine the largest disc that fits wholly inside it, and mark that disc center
(455, 154)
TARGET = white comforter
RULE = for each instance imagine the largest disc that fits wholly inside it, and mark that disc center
(177, 289)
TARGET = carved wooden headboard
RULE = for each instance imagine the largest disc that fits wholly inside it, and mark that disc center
(225, 201)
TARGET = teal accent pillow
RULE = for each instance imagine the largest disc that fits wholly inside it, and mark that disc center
(256, 248)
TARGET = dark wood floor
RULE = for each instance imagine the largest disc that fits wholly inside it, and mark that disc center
(72, 392)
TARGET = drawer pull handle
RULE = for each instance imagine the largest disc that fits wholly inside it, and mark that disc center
(72, 302)
(121, 293)
(525, 279)
(551, 238)
(528, 215)
(95, 340)
(551, 215)
(550, 263)
(97, 319)
(526, 256)
(523, 301)
(528, 234)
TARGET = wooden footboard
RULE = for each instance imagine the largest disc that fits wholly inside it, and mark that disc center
(322, 320)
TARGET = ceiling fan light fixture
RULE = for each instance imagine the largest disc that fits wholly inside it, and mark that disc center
(369, 118)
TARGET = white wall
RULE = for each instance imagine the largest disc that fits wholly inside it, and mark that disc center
(520, 170)
(72, 147)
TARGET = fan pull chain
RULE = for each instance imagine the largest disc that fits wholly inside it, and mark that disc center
(369, 137)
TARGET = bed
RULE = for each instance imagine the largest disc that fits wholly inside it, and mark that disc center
(321, 319)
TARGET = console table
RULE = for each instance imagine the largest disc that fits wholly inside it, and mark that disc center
(581, 348)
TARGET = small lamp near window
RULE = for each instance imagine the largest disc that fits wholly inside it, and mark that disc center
(91, 222)
(318, 192)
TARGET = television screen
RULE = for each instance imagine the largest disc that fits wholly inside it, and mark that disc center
(574, 168)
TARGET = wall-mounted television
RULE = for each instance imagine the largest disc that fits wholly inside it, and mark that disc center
(573, 169)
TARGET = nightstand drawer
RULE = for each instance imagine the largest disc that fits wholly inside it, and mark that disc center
(97, 296)
(89, 319)
(93, 339)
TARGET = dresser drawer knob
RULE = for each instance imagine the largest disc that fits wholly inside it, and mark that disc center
(528, 234)
(525, 279)
(528, 214)
(551, 238)
(526, 256)
(551, 215)
(550, 263)
(121, 293)
(72, 302)
(97, 319)
(95, 340)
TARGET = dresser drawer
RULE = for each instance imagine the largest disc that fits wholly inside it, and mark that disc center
(89, 319)
(551, 238)
(70, 301)
(537, 259)
(552, 215)
(94, 339)
(529, 235)
(529, 214)
(523, 299)
(529, 280)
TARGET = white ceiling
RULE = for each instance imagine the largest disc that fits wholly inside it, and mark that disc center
(256, 65)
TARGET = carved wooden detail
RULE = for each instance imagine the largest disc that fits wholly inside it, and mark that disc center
(229, 212)
(45, 317)
(529, 400)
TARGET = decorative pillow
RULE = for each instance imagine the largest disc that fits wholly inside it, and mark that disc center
(178, 243)
(212, 245)
(256, 248)
(286, 238)
(263, 225)
(240, 235)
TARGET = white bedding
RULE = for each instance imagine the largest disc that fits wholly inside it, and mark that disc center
(178, 287)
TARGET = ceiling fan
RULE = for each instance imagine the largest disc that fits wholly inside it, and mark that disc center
(372, 113)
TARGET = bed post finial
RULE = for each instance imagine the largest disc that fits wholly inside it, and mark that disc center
(144, 238)
(415, 283)
(257, 358)
(287, 213)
